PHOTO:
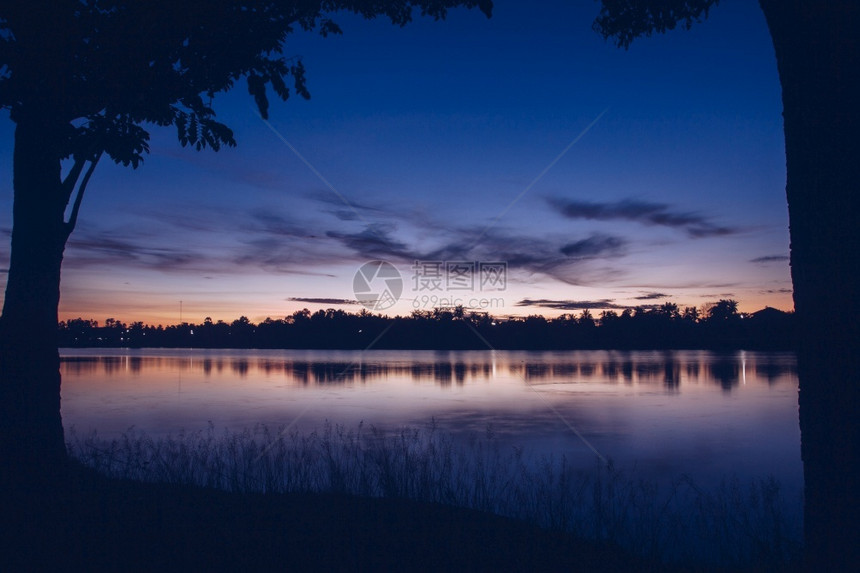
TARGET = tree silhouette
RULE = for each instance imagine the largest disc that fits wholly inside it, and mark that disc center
(82, 79)
(723, 310)
(691, 314)
(585, 318)
(768, 329)
(818, 59)
(669, 310)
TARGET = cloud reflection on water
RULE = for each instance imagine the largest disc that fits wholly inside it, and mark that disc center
(667, 413)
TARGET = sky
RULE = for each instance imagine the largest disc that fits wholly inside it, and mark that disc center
(516, 165)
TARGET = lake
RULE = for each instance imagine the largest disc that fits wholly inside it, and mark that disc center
(703, 414)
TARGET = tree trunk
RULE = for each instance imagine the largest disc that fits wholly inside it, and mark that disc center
(31, 431)
(817, 47)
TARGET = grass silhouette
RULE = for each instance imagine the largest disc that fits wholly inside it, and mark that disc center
(626, 522)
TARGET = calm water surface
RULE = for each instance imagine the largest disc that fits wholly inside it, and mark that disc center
(667, 414)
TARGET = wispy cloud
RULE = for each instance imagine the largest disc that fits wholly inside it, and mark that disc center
(334, 301)
(374, 241)
(594, 246)
(692, 285)
(277, 240)
(652, 296)
(718, 295)
(571, 304)
(694, 224)
(223, 244)
(572, 263)
(275, 255)
(103, 248)
(777, 291)
(769, 259)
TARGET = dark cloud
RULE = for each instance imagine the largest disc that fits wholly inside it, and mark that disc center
(284, 241)
(230, 241)
(544, 255)
(652, 296)
(276, 242)
(576, 262)
(337, 301)
(375, 242)
(594, 246)
(268, 242)
(769, 259)
(687, 286)
(777, 291)
(104, 248)
(570, 304)
(694, 224)
(521, 253)
(276, 255)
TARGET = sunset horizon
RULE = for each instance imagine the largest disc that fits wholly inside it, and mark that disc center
(595, 174)
(192, 313)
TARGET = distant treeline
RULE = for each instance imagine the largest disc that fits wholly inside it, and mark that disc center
(718, 326)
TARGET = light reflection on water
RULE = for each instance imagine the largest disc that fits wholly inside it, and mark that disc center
(699, 413)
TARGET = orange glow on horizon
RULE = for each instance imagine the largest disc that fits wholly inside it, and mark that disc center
(229, 311)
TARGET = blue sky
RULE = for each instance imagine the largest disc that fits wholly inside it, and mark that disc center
(446, 141)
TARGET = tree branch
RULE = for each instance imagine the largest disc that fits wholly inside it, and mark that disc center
(73, 217)
(72, 178)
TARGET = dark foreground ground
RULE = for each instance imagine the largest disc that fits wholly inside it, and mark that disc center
(90, 523)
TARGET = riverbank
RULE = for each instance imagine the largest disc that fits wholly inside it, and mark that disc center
(94, 523)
